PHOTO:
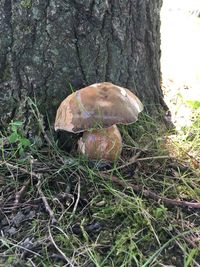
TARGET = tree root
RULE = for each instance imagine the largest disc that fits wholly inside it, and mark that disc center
(150, 194)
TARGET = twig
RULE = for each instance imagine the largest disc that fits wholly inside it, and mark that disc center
(33, 174)
(58, 249)
(155, 157)
(190, 242)
(131, 160)
(150, 194)
(46, 204)
(78, 197)
(19, 195)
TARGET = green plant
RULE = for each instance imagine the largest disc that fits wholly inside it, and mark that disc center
(26, 3)
(17, 137)
(194, 104)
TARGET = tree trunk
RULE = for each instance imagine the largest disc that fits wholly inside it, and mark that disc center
(49, 47)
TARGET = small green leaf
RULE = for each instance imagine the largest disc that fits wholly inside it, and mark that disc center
(194, 104)
(25, 142)
(14, 137)
(16, 124)
(160, 211)
(21, 151)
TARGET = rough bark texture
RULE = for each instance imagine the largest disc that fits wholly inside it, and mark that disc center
(46, 46)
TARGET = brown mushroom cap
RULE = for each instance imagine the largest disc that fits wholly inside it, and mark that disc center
(100, 104)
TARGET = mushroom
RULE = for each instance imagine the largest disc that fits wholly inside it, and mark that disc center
(104, 143)
(95, 110)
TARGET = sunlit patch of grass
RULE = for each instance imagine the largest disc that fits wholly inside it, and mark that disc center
(185, 144)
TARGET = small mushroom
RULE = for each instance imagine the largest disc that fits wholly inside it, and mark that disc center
(95, 110)
(105, 143)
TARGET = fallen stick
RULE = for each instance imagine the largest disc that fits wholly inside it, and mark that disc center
(155, 157)
(23, 170)
(46, 204)
(150, 194)
(19, 195)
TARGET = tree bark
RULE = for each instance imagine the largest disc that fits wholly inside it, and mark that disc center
(48, 47)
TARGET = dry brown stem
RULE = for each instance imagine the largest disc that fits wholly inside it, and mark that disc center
(44, 199)
(19, 195)
(150, 194)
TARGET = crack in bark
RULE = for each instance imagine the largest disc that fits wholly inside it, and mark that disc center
(44, 54)
(7, 9)
(109, 51)
(84, 77)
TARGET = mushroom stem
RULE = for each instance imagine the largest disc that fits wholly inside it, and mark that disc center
(104, 143)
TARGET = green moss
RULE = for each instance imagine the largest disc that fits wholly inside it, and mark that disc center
(26, 3)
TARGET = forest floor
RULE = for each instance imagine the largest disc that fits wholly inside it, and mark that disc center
(58, 209)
